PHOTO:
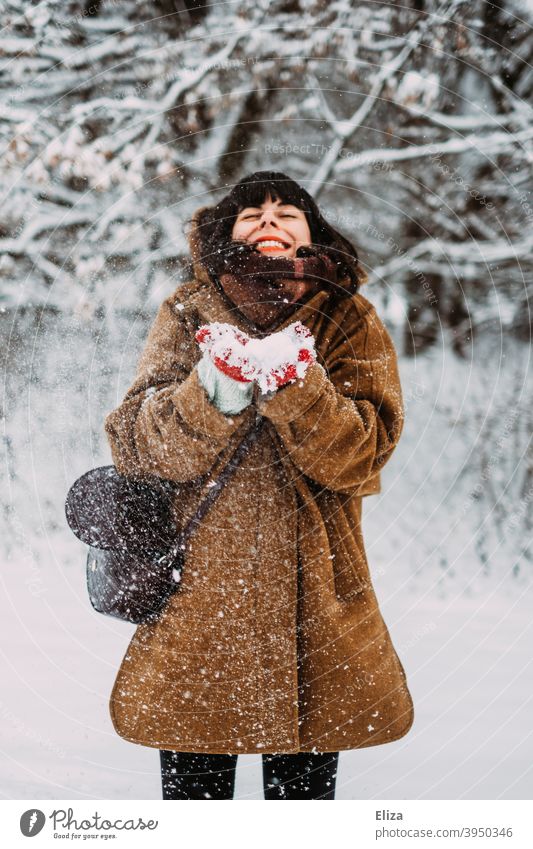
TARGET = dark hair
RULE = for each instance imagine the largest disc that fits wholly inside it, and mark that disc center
(216, 226)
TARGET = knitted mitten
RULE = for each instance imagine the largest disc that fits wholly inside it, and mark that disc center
(228, 395)
(225, 370)
(272, 362)
(227, 347)
(286, 356)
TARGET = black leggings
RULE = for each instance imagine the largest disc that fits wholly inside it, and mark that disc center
(304, 775)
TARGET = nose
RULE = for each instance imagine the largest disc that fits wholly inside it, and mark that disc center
(268, 217)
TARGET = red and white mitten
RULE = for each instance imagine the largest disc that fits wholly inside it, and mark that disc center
(228, 348)
(272, 362)
(284, 356)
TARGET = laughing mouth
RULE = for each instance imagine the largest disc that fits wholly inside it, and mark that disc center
(271, 244)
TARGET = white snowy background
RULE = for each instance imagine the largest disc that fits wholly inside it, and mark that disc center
(411, 125)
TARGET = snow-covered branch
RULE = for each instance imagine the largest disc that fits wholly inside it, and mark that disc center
(409, 126)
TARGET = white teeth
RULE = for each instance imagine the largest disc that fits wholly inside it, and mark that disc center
(272, 242)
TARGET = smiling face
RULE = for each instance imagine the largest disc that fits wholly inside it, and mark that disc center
(275, 228)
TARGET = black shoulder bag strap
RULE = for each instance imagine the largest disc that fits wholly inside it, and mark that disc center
(170, 558)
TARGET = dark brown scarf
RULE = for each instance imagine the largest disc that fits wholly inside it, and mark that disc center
(267, 289)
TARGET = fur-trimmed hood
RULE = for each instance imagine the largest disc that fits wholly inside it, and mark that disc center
(198, 218)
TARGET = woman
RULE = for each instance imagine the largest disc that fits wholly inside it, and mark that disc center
(274, 642)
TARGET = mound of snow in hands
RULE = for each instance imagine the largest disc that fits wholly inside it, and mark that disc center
(277, 359)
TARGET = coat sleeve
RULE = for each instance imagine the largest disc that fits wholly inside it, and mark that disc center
(341, 423)
(166, 425)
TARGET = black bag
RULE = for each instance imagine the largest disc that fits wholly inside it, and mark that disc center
(127, 586)
(136, 552)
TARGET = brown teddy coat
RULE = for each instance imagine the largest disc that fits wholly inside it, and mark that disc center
(274, 641)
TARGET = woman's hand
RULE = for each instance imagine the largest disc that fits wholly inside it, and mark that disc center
(228, 395)
(289, 353)
(225, 370)
(227, 348)
(272, 362)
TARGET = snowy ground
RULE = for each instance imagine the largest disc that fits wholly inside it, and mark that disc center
(468, 662)
(461, 625)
